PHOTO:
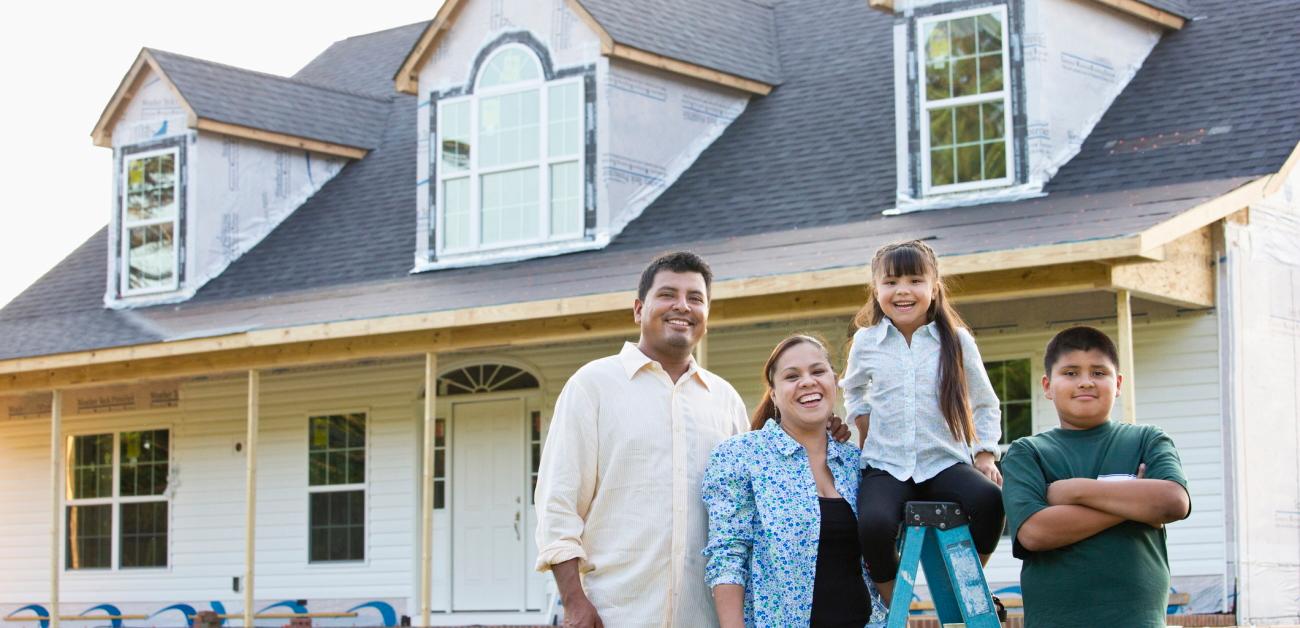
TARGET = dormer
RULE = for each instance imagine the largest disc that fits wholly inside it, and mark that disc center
(992, 97)
(545, 128)
(208, 159)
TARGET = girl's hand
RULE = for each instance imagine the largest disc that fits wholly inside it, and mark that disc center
(984, 464)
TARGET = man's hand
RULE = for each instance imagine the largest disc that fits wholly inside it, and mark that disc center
(984, 464)
(578, 610)
(579, 613)
(838, 429)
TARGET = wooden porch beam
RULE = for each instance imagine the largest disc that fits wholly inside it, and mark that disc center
(1185, 278)
(250, 492)
(426, 488)
(56, 501)
(726, 312)
(1124, 321)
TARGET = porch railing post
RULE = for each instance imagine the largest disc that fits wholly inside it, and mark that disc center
(1124, 319)
(56, 506)
(250, 493)
(426, 488)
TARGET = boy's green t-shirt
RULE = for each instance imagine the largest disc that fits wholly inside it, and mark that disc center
(1118, 577)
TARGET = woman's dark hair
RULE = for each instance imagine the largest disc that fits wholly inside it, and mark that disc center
(767, 407)
(917, 258)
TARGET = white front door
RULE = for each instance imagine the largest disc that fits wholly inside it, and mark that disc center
(488, 506)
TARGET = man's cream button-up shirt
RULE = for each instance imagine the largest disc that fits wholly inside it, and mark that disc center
(619, 486)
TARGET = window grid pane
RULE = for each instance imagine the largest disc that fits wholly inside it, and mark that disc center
(89, 537)
(566, 198)
(963, 57)
(534, 450)
(439, 464)
(565, 111)
(337, 526)
(144, 534)
(144, 460)
(151, 188)
(1011, 382)
(336, 452)
(509, 202)
(511, 65)
(151, 258)
(91, 474)
(455, 139)
(508, 129)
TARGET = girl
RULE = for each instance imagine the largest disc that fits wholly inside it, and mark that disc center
(783, 545)
(916, 388)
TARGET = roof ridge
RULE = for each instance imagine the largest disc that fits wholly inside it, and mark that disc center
(371, 34)
(329, 88)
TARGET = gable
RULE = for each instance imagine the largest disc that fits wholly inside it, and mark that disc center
(732, 43)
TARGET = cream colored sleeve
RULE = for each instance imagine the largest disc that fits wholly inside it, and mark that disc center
(566, 478)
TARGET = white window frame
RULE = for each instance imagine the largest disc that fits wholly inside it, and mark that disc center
(1033, 395)
(124, 272)
(364, 487)
(926, 105)
(475, 174)
(115, 501)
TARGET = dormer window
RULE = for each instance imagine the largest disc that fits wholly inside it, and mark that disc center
(964, 95)
(151, 220)
(510, 157)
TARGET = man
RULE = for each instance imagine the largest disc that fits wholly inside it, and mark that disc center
(618, 490)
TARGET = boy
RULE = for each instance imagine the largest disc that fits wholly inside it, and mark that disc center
(1087, 502)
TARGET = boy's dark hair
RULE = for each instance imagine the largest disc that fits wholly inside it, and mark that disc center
(1078, 339)
(677, 262)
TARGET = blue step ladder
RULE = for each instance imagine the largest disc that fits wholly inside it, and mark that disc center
(937, 537)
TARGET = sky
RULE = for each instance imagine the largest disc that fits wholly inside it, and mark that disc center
(61, 63)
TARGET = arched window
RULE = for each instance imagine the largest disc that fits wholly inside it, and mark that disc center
(509, 157)
(485, 378)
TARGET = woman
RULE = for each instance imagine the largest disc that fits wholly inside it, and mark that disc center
(783, 545)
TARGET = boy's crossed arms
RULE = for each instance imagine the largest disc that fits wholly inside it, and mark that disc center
(1079, 508)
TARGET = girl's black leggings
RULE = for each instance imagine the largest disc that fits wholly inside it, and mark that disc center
(880, 511)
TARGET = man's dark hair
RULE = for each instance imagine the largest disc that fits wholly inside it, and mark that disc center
(677, 262)
(1078, 339)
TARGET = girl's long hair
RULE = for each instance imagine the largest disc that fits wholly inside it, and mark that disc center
(767, 407)
(917, 258)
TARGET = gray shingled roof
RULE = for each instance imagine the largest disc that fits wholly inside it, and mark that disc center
(1178, 7)
(350, 64)
(734, 36)
(796, 183)
(275, 103)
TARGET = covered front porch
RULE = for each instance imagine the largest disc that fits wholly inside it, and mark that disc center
(367, 471)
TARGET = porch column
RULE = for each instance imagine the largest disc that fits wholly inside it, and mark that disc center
(56, 506)
(426, 488)
(250, 493)
(1124, 320)
(702, 352)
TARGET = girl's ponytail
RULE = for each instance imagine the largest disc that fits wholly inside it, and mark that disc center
(917, 258)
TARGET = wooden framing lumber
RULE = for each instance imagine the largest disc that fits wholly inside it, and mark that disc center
(1135, 8)
(1124, 322)
(1203, 214)
(102, 134)
(280, 139)
(56, 500)
(692, 70)
(1276, 181)
(1144, 11)
(1185, 278)
(426, 488)
(407, 79)
(408, 76)
(250, 492)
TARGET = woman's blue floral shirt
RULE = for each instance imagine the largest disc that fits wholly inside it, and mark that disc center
(765, 522)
